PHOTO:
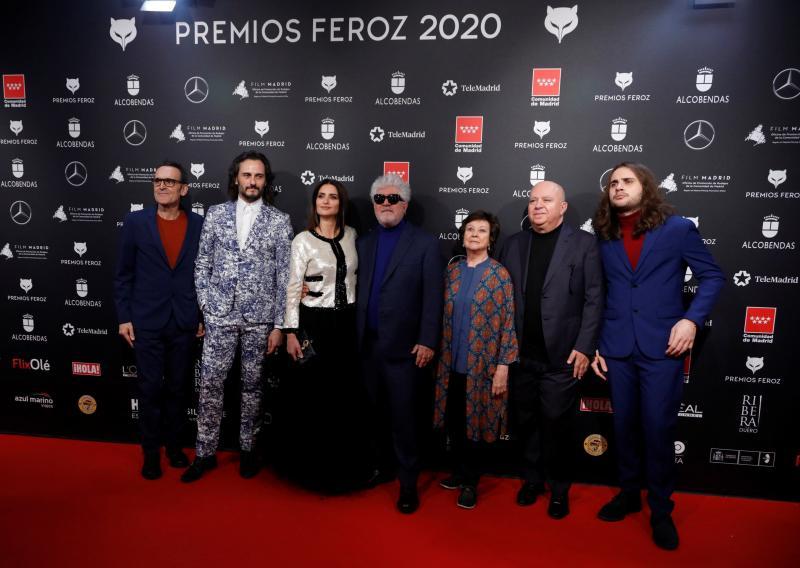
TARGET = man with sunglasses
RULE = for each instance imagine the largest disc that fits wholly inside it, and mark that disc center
(158, 313)
(399, 314)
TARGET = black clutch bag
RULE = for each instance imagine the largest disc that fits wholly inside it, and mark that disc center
(306, 346)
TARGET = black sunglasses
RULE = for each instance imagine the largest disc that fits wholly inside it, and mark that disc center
(393, 198)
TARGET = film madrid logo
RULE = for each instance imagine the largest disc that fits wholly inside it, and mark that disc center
(14, 90)
(759, 324)
(546, 87)
(469, 134)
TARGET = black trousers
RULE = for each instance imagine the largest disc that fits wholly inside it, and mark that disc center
(392, 386)
(543, 399)
(163, 362)
(465, 453)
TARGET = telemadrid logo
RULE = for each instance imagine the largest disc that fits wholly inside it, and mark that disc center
(196, 89)
(699, 135)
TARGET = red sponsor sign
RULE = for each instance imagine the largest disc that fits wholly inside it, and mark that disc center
(87, 369)
(469, 129)
(760, 320)
(14, 87)
(402, 169)
(546, 82)
(596, 404)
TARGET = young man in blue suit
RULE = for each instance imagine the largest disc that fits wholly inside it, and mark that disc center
(646, 329)
(241, 275)
(398, 319)
(158, 313)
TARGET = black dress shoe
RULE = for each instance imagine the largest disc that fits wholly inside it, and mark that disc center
(380, 476)
(198, 468)
(527, 494)
(249, 466)
(408, 502)
(559, 506)
(468, 497)
(623, 503)
(451, 482)
(665, 535)
(177, 458)
(151, 469)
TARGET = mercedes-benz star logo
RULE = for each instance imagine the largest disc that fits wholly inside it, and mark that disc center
(20, 212)
(786, 84)
(134, 132)
(76, 174)
(699, 134)
(196, 89)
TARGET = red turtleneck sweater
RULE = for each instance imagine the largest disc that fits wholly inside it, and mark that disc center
(633, 245)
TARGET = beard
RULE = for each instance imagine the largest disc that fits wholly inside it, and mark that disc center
(250, 197)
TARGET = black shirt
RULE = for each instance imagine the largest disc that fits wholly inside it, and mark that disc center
(542, 247)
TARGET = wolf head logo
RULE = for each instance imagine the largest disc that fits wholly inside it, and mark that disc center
(695, 220)
(15, 126)
(116, 175)
(79, 248)
(59, 214)
(329, 82)
(262, 127)
(754, 363)
(241, 90)
(561, 21)
(776, 177)
(73, 85)
(198, 170)
(623, 80)
(541, 128)
(122, 31)
(26, 284)
(464, 174)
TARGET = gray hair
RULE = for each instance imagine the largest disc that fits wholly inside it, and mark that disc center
(391, 180)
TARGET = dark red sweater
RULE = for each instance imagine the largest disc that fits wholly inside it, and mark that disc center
(633, 245)
(172, 234)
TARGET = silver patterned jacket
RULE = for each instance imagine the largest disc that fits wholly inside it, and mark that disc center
(255, 276)
(314, 260)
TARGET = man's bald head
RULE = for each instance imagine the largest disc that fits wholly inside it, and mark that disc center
(546, 206)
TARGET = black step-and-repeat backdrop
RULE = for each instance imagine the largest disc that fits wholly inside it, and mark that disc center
(472, 102)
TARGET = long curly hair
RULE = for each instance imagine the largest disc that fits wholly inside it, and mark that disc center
(654, 208)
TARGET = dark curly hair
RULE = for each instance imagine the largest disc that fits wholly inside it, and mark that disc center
(233, 187)
(654, 209)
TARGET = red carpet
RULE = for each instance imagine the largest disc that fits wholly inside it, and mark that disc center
(68, 503)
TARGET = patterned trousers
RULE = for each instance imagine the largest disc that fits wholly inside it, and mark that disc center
(219, 348)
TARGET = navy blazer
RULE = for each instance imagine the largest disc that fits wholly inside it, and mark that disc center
(572, 292)
(642, 305)
(411, 296)
(146, 289)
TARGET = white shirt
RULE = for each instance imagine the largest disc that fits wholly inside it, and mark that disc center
(246, 214)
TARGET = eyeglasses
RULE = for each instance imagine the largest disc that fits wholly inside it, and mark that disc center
(169, 183)
(392, 198)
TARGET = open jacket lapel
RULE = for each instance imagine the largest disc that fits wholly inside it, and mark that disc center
(406, 237)
(650, 239)
(191, 221)
(154, 234)
(559, 253)
(260, 221)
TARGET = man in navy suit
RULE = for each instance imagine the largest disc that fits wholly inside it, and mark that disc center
(646, 329)
(398, 317)
(158, 312)
(558, 294)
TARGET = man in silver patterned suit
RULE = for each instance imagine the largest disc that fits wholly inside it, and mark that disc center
(241, 274)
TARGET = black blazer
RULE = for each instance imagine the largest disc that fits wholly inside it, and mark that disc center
(572, 293)
(411, 296)
(146, 289)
